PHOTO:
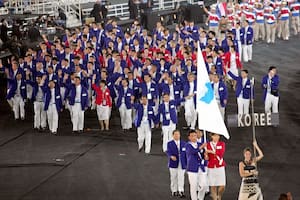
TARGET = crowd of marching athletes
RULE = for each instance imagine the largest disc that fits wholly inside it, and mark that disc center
(146, 75)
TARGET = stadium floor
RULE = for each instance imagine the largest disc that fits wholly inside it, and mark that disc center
(107, 165)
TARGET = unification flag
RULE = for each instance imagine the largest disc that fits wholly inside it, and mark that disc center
(209, 115)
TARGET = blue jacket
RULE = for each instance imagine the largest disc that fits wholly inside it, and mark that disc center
(172, 150)
(166, 117)
(121, 95)
(219, 66)
(12, 88)
(186, 89)
(274, 85)
(165, 88)
(178, 80)
(140, 112)
(153, 92)
(84, 101)
(195, 158)
(135, 86)
(47, 98)
(248, 36)
(223, 92)
(35, 88)
(239, 86)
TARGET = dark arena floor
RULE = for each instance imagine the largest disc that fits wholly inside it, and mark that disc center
(107, 165)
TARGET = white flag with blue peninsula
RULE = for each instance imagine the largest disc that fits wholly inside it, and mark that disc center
(209, 115)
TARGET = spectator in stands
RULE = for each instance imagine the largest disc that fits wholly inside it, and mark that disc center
(62, 18)
(133, 9)
(3, 31)
(99, 11)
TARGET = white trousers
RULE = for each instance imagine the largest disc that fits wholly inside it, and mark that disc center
(125, 115)
(18, 107)
(52, 116)
(247, 52)
(77, 117)
(198, 182)
(240, 49)
(167, 134)
(144, 134)
(190, 113)
(40, 115)
(271, 102)
(177, 179)
(203, 184)
(29, 91)
(243, 105)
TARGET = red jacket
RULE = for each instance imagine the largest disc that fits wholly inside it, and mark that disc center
(100, 96)
(237, 60)
(216, 160)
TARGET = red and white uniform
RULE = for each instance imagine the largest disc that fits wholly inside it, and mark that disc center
(295, 8)
(250, 16)
(227, 61)
(284, 13)
(216, 164)
(216, 160)
(270, 18)
(213, 19)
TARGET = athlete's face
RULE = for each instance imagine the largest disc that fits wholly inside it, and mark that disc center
(193, 137)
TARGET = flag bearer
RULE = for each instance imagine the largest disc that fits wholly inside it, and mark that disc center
(196, 170)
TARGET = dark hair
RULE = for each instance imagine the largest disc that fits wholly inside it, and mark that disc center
(245, 70)
(191, 131)
(103, 81)
(176, 130)
(283, 196)
(271, 68)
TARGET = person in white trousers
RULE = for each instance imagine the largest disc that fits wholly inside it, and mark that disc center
(123, 102)
(243, 91)
(79, 103)
(40, 115)
(53, 104)
(167, 113)
(196, 166)
(177, 164)
(189, 93)
(145, 118)
(17, 94)
(247, 41)
(270, 85)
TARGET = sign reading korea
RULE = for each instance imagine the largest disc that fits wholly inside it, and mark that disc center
(259, 119)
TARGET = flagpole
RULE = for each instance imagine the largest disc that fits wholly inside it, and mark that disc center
(253, 121)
